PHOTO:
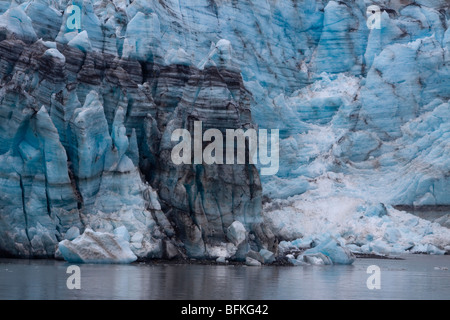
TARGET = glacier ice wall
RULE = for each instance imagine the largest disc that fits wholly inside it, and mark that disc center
(86, 114)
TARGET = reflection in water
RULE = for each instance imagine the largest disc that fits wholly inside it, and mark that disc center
(413, 278)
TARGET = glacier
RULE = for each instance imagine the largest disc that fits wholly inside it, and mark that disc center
(86, 117)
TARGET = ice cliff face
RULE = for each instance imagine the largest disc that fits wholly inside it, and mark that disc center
(86, 129)
(87, 112)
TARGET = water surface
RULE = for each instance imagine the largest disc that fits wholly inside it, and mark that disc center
(416, 277)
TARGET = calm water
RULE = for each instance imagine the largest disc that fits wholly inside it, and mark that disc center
(413, 278)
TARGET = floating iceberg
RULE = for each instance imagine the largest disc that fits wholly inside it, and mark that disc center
(317, 259)
(332, 250)
(97, 247)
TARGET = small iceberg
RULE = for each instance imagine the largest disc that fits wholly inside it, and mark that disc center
(97, 247)
(327, 252)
